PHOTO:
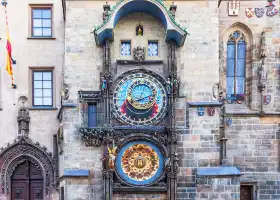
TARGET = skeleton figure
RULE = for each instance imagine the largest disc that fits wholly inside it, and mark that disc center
(139, 53)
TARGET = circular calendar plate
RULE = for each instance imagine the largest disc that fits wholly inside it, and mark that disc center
(139, 163)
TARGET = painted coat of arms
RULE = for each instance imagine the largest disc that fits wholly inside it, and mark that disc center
(228, 121)
(211, 111)
(272, 9)
(233, 8)
(259, 12)
(200, 111)
(249, 12)
(266, 99)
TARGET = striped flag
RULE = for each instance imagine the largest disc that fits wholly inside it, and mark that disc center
(10, 60)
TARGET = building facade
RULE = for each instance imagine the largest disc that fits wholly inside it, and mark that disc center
(141, 99)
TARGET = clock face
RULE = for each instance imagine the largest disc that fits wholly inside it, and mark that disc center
(139, 99)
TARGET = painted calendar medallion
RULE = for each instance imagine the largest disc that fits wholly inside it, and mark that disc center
(139, 163)
(139, 99)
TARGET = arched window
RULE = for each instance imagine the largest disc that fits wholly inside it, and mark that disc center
(236, 61)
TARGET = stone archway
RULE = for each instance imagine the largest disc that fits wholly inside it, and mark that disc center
(24, 149)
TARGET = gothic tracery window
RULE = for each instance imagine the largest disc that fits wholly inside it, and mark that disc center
(236, 61)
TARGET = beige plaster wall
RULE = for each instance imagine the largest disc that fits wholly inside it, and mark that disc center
(29, 53)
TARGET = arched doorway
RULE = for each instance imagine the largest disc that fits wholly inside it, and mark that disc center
(27, 182)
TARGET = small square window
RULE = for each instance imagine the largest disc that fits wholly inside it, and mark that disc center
(42, 87)
(125, 48)
(152, 48)
(41, 22)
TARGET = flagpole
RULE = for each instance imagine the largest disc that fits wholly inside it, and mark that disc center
(10, 60)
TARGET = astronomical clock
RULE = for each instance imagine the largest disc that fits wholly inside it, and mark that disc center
(140, 99)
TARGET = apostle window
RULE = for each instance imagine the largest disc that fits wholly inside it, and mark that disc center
(125, 48)
(152, 48)
(236, 60)
(42, 84)
(41, 22)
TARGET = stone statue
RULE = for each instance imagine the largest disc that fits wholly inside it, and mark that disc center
(139, 53)
(169, 86)
(23, 120)
(262, 75)
(167, 164)
(262, 46)
(112, 157)
(103, 83)
(176, 160)
(65, 92)
(106, 12)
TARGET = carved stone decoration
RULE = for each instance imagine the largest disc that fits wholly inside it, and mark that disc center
(173, 9)
(139, 53)
(262, 46)
(65, 92)
(217, 91)
(23, 149)
(23, 120)
(106, 13)
(262, 76)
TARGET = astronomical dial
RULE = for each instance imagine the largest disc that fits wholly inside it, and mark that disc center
(139, 99)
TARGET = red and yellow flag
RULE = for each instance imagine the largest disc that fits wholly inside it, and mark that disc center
(9, 63)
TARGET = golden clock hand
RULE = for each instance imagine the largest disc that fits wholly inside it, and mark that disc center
(142, 98)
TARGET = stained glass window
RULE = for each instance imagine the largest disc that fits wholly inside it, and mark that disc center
(236, 60)
(126, 48)
(152, 48)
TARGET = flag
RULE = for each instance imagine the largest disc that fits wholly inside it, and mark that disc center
(9, 67)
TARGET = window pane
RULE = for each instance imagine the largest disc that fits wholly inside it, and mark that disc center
(38, 101)
(46, 23)
(152, 48)
(230, 51)
(230, 67)
(38, 84)
(230, 85)
(240, 69)
(47, 84)
(125, 48)
(241, 50)
(47, 101)
(37, 23)
(240, 85)
(47, 13)
(47, 92)
(92, 115)
(37, 31)
(38, 93)
(47, 32)
(37, 13)
(47, 76)
(37, 75)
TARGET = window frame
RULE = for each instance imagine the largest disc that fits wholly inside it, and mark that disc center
(52, 89)
(41, 7)
(89, 104)
(120, 49)
(235, 76)
(158, 53)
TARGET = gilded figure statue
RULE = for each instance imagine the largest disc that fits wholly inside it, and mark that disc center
(112, 157)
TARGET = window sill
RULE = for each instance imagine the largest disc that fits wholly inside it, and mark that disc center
(42, 108)
(41, 38)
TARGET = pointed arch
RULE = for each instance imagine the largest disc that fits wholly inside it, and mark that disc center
(22, 149)
(244, 48)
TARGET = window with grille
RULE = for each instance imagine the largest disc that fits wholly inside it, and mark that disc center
(236, 61)
(41, 22)
(152, 48)
(42, 87)
(125, 48)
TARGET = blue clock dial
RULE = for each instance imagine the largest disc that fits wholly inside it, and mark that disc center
(139, 99)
